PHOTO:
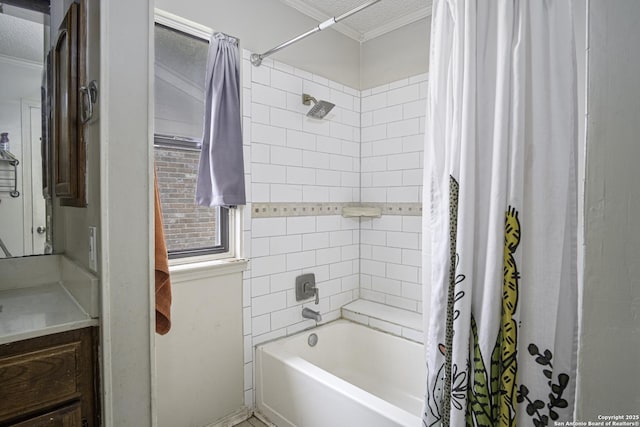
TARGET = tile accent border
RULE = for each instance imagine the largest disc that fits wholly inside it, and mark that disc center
(275, 210)
(407, 209)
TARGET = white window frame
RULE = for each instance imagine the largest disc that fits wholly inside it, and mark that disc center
(234, 251)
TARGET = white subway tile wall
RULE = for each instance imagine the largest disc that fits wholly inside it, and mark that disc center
(296, 159)
(367, 149)
(254, 193)
(392, 162)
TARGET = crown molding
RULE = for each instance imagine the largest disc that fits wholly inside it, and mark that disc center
(397, 23)
(181, 24)
(12, 60)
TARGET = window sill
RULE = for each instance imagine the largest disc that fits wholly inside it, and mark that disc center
(201, 270)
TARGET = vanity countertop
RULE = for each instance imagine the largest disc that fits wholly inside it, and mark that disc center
(34, 311)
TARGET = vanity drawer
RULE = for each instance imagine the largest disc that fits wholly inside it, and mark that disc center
(39, 379)
(67, 416)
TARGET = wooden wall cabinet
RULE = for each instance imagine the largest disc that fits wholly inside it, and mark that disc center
(50, 381)
(69, 74)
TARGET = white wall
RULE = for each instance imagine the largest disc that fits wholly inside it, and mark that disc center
(127, 224)
(396, 55)
(610, 341)
(200, 361)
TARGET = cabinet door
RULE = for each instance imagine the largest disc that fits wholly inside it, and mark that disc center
(41, 374)
(68, 130)
(42, 378)
(68, 416)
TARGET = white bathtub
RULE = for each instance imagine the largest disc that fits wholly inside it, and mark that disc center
(354, 377)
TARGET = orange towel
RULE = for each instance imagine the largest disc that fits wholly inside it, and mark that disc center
(163, 281)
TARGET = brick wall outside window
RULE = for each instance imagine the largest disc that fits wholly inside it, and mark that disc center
(186, 226)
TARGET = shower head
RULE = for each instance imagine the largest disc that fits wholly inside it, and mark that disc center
(320, 109)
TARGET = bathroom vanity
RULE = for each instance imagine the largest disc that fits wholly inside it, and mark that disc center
(48, 343)
(50, 380)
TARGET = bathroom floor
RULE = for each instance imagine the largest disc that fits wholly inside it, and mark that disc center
(251, 422)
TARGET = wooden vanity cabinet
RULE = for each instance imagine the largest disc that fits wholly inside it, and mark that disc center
(50, 381)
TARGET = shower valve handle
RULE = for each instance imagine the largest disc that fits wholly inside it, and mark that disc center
(309, 288)
(306, 288)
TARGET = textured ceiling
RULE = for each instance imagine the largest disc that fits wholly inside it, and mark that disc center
(21, 39)
(380, 18)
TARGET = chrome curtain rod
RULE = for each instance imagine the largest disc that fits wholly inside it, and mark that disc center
(256, 58)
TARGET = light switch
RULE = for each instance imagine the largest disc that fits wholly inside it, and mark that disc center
(93, 256)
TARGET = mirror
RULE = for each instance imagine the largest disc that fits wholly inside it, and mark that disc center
(25, 214)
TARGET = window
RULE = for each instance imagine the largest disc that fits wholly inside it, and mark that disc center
(180, 66)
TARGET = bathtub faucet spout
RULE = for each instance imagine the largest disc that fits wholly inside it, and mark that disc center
(307, 313)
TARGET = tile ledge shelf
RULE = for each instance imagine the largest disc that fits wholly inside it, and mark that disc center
(396, 321)
(361, 211)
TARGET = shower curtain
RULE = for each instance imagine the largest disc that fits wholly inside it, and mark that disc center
(500, 219)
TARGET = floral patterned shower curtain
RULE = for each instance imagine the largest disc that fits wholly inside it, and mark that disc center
(501, 214)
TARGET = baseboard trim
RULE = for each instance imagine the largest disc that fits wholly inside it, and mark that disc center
(233, 419)
(264, 419)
